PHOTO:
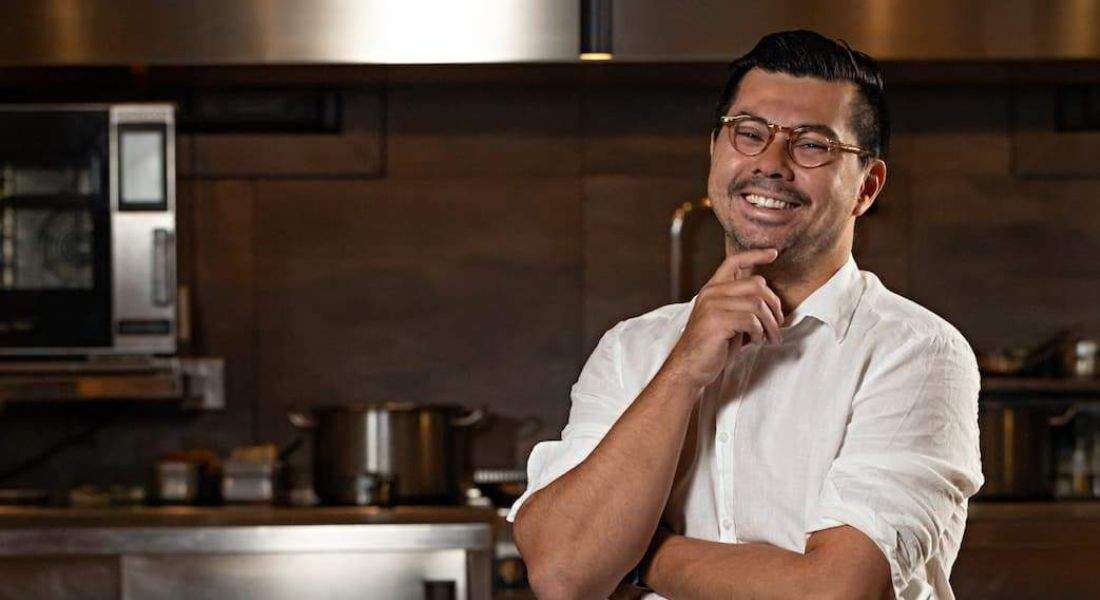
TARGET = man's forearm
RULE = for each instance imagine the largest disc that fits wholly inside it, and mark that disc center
(682, 567)
(583, 532)
(685, 568)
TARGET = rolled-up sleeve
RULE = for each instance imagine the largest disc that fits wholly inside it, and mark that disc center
(910, 457)
(597, 401)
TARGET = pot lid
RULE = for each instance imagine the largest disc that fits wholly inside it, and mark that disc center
(386, 406)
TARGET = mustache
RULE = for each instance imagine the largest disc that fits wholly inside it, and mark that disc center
(780, 191)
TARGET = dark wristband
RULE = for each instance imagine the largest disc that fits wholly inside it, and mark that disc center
(636, 577)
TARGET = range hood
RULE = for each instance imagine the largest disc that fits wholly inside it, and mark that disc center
(263, 32)
(889, 30)
(260, 32)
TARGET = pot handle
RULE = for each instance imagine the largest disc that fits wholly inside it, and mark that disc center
(1063, 419)
(290, 448)
(300, 419)
(470, 419)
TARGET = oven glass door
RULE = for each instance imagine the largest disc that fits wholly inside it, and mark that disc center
(54, 229)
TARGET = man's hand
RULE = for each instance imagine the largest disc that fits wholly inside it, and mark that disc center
(730, 307)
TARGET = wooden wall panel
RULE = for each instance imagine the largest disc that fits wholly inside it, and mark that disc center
(883, 235)
(185, 155)
(466, 291)
(1004, 259)
(482, 131)
(626, 246)
(357, 151)
(1057, 155)
(222, 279)
(950, 131)
(1040, 149)
(649, 132)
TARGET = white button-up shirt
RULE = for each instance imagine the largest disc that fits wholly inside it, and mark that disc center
(865, 415)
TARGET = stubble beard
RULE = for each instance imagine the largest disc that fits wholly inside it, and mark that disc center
(797, 254)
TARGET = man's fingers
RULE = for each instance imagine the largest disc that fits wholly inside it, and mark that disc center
(733, 265)
(735, 344)
(752, 326)
(754, 307)
(747, 287)
(774, 303)
(771, 325)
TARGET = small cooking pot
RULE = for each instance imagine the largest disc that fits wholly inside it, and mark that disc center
(420, 451)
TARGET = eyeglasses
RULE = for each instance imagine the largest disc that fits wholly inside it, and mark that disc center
(807, 146)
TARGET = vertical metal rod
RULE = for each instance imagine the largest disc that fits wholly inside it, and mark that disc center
(595, 26)
(676, 249)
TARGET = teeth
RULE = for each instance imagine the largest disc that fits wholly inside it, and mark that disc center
(766, 202)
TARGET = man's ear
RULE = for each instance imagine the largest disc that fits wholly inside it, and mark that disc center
(873, 181)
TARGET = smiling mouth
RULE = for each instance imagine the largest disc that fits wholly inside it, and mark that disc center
(769, 202)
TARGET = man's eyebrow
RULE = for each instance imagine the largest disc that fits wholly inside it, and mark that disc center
(813, 126)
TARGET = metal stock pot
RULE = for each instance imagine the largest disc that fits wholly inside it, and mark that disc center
(359, 449)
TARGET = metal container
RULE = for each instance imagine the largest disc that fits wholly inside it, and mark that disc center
(1016, 447)
(249, 480)
(360, 451)
(177, 482)
(1081, 358)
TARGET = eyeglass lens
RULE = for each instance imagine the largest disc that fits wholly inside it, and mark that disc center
(807, 148)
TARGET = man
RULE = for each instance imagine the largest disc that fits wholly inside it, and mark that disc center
(796, 430)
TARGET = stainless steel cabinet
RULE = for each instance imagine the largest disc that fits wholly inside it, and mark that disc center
(385, 561)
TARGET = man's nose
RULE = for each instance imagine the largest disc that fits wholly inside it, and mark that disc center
(773, 162)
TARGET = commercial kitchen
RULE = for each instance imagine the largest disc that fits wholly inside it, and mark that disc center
(289, 290)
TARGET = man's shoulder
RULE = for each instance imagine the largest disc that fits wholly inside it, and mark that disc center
(643, 342)
(892, 318)
(661, 323)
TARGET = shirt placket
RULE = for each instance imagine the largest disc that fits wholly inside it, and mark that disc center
(724, 438)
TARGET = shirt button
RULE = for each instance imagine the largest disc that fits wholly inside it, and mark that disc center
(726, 524)
(723, 437)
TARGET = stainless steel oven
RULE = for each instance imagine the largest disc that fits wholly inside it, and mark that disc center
(87, 229)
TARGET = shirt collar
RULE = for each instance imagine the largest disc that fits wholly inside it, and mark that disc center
(834, 303)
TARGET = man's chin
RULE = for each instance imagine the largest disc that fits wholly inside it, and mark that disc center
(757, 243)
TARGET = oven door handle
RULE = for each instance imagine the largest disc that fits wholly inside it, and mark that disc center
(164, 267)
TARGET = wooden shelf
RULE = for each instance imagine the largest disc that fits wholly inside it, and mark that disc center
(190, 382)
(1079, 388)
(1070, 509)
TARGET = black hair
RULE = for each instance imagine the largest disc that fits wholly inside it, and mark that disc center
(805, 53)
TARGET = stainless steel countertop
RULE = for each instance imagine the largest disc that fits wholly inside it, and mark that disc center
(254, 529)
(240, 529)
(237, 515)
